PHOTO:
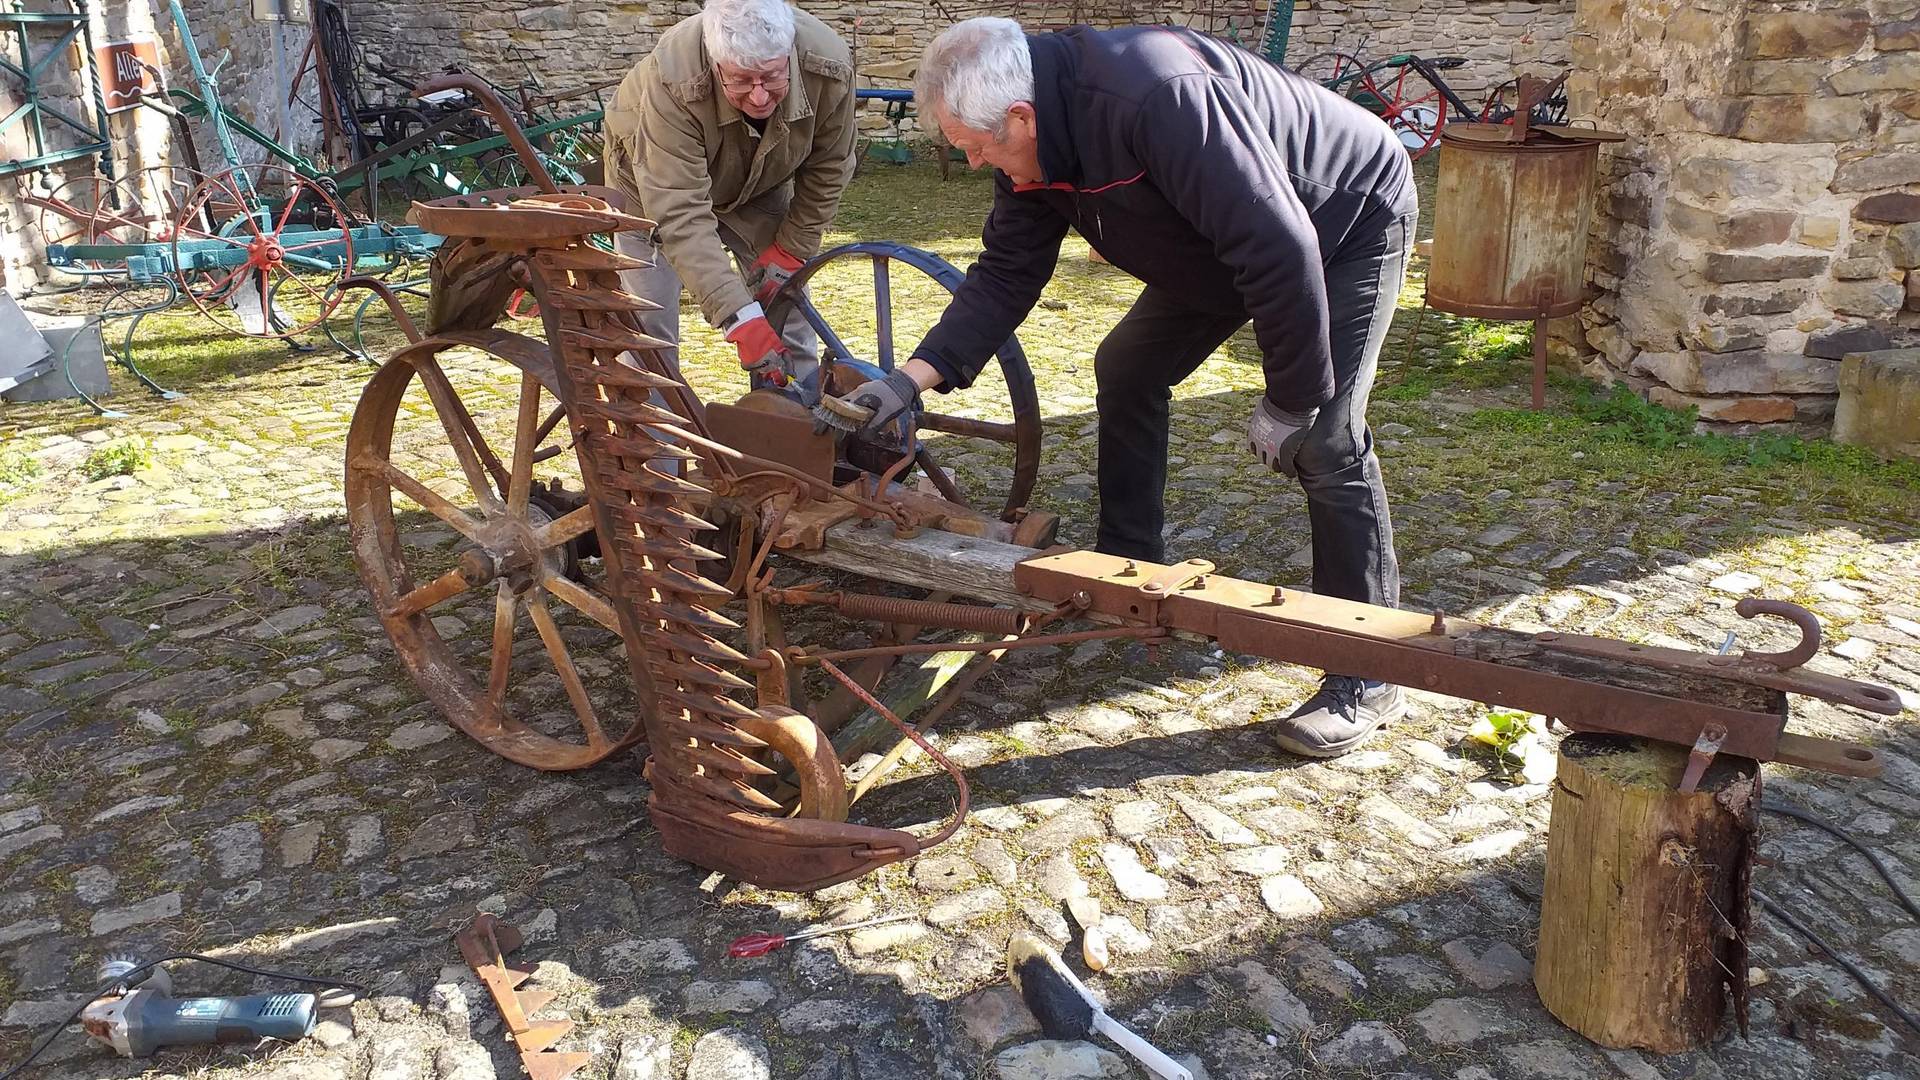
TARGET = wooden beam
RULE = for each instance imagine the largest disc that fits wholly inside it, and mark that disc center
(967, 566)
(914, 682)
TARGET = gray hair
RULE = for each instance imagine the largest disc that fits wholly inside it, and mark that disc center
(747, 33)
(974, 72)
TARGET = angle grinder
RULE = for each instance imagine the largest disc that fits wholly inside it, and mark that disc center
(139, 1014)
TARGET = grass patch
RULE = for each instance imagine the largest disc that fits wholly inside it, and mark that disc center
(1466, 354)
(1618, 431)
(16, 467)
(120, 458)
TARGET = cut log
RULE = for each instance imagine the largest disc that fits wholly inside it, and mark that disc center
(1643, 920)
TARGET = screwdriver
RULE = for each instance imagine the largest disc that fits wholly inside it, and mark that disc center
(760, 944)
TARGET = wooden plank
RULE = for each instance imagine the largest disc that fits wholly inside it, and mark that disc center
(911, 685)
(967, 566)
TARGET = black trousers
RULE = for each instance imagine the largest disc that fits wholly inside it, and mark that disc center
(1160, 342)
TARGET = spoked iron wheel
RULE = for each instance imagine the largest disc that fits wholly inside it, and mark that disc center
(90, 210)
(160, 192)
(877, 340)
(1505, 98)
(1414, 108)
(1336, 71)
(255, 209)
(472, 555)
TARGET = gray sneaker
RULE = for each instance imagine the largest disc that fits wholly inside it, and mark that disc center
(1344, 714)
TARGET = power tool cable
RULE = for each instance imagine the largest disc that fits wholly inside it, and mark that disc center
(1780, 912)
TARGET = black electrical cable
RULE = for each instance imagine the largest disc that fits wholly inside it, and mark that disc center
(1852, 968)
(1794, 812)
(106, 987)
(1781, 913)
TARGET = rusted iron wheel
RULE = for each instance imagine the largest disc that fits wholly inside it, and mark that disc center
(443, 525)
(92, 210)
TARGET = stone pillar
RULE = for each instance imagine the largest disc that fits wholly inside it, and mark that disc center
(1756, 226)
(1880, 402)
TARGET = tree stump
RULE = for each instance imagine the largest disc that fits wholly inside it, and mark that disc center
(1643, 920)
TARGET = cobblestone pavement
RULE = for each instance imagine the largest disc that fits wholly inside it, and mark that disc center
(210, 745)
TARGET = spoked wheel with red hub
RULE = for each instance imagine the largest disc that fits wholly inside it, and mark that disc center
(287, 247)
(1408, 101)
(1337, 71)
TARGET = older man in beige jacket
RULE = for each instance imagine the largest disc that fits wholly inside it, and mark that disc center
(735, 135)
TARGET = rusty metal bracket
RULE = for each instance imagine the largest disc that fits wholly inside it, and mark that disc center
(1711, 739)
(484, 944)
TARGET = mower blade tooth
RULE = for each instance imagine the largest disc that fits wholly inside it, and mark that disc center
(539, 1035)
(554, 1065)
(532, 1001)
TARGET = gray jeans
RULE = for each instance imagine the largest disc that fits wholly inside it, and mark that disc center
(746, 231)
(1161, 341)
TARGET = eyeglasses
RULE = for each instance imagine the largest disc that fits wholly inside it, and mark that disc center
(772, 84)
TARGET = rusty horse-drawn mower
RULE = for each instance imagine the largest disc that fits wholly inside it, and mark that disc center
(671, 540)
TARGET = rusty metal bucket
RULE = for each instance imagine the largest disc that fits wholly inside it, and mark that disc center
(1510, 220)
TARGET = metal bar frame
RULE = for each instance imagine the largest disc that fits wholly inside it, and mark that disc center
(33, 110)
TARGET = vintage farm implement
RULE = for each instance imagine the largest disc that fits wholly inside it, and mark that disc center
(685, 509)
(261, 249)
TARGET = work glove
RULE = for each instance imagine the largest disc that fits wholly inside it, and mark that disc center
(870, 407)
(1275, 435)
(761, 350)
(775, 267)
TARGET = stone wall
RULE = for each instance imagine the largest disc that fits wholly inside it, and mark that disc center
(139, 137)
(1497, 37)
(573, 43)
(569, 44)
(1761, 219)
(247, 81)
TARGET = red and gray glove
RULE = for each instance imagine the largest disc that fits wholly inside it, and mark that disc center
(761, 350)
(1274, 435)
(775, 267)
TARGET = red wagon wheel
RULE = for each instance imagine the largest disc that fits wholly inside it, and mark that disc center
(1412, 106)
(252, 208)
(89, 210)
(158, 194)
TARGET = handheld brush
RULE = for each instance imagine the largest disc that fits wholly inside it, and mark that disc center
(1067, 1010)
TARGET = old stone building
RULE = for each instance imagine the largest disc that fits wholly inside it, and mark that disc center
(574, 43)
(1761, 220)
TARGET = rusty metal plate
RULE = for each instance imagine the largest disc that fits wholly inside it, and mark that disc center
(762, 428)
